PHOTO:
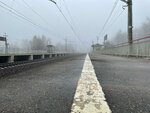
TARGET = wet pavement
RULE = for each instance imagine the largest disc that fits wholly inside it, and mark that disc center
(125, 82)
(45, 89)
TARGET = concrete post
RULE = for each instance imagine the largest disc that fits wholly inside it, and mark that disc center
(11, 59)
(31, 57)
(43, 57)
(50, 56)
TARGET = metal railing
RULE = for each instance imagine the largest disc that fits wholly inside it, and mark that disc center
(22, 51)
(139, 48)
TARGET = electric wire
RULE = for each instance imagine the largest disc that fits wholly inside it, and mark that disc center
(107, 20)
(65, 18)
(41, 17)
(34, 11)
(20, 15)
(69, 23)
(65, 4)
(12, 3)
(115, 20)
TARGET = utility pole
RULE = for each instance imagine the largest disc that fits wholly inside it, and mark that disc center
(97, 39)
(93, 45)
(66, 44)
(130, 26)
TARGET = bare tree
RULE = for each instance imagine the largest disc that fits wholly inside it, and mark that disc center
(26, 45)
(143, 31)
(108, 44)
(59, 47)
(39, 43)
(120, 37)
(14, 48)
(140, 32)
(145, 28)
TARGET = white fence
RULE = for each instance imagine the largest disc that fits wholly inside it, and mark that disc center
(139, 48)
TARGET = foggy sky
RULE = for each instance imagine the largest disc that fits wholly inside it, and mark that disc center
(88, 16)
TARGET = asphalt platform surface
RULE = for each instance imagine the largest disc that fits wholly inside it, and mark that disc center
(45, 89)
(125, 82)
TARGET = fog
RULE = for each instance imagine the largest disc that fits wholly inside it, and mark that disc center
(88, 18)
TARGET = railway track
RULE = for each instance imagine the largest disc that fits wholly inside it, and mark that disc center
(16, 67)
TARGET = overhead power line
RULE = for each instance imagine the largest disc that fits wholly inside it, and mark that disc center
(34, 11)
(73, 24)
(41, 17)
(66, 19)
(114, 21)
(107, 20)
(70, 25)
(65, 4)
(64, 16)
(72, 28)
(20, 15)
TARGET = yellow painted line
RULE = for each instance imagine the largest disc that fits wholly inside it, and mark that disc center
(89, 96)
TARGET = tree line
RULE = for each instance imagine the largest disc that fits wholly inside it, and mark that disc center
(39, 43)
(121, 37)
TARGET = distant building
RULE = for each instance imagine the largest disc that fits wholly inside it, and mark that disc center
(50, 49)
(97, 47)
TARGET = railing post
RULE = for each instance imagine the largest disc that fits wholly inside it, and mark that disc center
(148, 49)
